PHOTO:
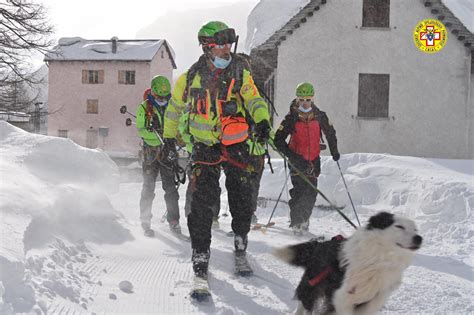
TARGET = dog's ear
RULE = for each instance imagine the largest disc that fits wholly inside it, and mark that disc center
(380, 221)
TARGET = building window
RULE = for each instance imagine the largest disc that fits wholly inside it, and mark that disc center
(92, 76)
(373, 95)
(376, 13)
(62, 133)
(162, 54)
(92, 106)
(92, 138)
(126, 77)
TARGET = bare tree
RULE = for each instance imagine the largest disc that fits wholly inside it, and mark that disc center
(24, 29)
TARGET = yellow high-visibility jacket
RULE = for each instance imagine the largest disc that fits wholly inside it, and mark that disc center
(149, 137)
(205, 126)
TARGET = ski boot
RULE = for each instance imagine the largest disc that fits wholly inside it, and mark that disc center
(305, 226)
(200, 291)
(147, 231)
(242, 266)
(215, 223)
(175, 227)
(254, 219)
(297, 229)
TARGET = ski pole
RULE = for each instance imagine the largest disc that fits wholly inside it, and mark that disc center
(163, 218)
(301, 174)
(287, 196)
(350, 198)
(276, 203)
(124, 110)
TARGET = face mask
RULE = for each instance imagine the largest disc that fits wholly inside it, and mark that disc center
(304, 110)
(221, 63)
(162, 103)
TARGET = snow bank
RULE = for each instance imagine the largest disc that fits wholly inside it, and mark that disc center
(438, 194)
(50, 188)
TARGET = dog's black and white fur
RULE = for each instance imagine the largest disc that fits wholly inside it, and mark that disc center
(354, 276)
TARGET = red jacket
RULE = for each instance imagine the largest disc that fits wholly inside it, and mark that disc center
(305, 132)
(305, 139)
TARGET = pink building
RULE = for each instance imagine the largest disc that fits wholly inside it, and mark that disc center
(89, 80)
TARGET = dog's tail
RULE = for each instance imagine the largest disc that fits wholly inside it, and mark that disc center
(299, 254)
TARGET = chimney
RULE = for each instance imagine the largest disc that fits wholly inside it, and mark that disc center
(114, 44)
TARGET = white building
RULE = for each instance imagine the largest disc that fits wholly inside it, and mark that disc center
(380, 91)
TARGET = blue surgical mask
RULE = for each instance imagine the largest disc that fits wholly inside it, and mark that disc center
(221, 63)
(304, 110)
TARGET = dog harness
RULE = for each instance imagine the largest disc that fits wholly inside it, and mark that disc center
(324, 274)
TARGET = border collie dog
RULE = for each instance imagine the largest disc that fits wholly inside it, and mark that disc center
(354, 276)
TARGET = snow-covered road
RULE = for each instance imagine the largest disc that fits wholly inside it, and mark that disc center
(71, 242)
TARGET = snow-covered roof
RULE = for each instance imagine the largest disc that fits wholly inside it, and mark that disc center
(271, 21)
(269, 16)
(80, 49)
(463, 10)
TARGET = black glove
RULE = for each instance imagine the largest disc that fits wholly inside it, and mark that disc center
(262, 131)
(169, 155)
(336, 156)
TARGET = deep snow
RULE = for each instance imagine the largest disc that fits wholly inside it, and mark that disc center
(71, 240)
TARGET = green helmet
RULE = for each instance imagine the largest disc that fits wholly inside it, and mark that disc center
(304, 89)
(216, 32)
(161, 86)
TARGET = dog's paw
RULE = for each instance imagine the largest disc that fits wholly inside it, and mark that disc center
(286, 254)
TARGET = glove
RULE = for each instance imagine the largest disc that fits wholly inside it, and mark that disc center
(169, 155)
(336, 156)
(262, 131)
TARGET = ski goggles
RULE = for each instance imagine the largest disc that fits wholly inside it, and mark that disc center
(223, 37)
(305, 100)
(226, 36)
(219, 46)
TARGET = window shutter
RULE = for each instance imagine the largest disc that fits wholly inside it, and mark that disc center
(373, 95)
(92, 107)
(85, 76)
(101, 76)
(376, 13)
(121, 77)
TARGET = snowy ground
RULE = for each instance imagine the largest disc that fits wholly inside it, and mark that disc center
(71, 241)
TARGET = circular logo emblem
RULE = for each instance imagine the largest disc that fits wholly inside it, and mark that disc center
(430, 36)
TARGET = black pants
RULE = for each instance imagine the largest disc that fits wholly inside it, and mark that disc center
(189, 196)
(255, 177)
(302, 195)
(150, 173)
(206, 192)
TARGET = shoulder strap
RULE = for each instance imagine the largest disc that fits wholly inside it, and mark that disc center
(195, 68)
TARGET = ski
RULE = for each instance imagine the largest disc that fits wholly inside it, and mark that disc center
(200, 291)
(181, 236)
(258, 226)
(242, 266)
